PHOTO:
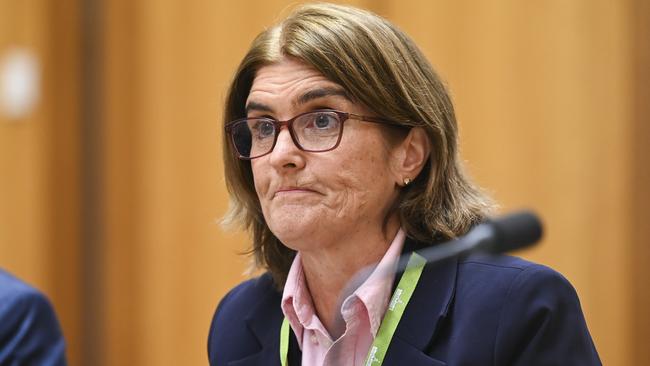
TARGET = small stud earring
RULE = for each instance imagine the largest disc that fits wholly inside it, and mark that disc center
(407, 181)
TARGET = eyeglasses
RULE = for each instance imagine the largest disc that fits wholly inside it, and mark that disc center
(315, 131)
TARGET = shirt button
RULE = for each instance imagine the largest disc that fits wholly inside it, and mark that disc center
(313, 339)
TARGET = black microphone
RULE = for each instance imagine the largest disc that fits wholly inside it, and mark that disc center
(514, 231)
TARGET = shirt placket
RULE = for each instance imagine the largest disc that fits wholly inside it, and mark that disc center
(342, 351)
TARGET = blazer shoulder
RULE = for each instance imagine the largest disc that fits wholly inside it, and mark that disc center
(28, 324)
(506, 271)
(20, 302)
(505, 279)
(229, 335)
(239, 300)
(538, 315)
(13, 289)
(503, 262)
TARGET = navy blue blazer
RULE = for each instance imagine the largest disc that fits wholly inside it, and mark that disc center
(475, 310)
(29, 331)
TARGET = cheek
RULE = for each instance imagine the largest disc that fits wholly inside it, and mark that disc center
(260, 180)
(361, 186)
(262, 183)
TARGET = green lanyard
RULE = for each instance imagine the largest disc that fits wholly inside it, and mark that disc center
(393, 315)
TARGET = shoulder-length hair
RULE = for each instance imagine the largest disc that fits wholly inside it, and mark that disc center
(380, 67)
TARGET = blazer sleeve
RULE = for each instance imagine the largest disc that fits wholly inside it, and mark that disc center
(29, 331)
(541, 323)
(215, 326)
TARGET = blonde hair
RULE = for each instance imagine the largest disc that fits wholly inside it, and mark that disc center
(381, 68)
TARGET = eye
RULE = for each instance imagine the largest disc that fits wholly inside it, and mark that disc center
(263, 129)
(324, 121)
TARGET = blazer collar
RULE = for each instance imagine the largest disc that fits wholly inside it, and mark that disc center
(416, 331)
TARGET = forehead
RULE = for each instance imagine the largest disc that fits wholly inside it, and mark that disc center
(288, 80)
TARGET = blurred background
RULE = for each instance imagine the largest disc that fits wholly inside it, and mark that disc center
(111, 182)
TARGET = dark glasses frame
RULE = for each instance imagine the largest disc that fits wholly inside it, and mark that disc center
(343, 116)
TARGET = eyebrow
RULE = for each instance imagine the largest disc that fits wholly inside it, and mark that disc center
(255, 106)
(305, 98)
(321, 93)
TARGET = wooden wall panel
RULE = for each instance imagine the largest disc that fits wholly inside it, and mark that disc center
(121, 130)
(62, 102)
(640, 166)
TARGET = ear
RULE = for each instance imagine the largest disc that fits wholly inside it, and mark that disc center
(410, 156)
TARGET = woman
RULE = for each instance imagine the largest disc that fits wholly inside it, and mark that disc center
(341, 152)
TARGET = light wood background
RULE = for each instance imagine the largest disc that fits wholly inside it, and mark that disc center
(111, 189)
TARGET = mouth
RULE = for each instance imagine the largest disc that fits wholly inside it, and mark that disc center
(293, 190)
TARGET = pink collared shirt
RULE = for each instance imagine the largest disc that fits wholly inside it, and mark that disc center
(362, 312)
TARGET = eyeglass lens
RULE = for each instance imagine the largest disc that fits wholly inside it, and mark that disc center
(315, 131)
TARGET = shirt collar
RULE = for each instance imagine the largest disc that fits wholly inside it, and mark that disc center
(374, 293)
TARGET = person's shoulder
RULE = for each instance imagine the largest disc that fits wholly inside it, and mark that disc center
(511, 273)
(253, 299)
(247, 293)
(502, 280)
(13, 289)
(498, 262)
(243, 300)
(28, 324)
(530, 285)
(18, 299)
(530, 312)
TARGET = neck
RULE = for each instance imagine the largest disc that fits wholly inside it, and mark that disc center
(329, 270)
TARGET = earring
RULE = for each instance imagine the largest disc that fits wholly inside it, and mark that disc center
(407, 181)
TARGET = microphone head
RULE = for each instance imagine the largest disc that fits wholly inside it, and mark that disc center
(515, 231)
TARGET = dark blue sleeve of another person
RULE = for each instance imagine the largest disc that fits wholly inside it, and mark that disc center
(29, 331)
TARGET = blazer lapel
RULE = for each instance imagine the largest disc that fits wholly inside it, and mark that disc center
(424, 314)
(264, 322)
(266, 328)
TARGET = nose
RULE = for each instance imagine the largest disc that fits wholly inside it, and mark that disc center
(285, 154)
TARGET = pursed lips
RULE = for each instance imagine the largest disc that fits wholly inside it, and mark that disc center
(289, 190)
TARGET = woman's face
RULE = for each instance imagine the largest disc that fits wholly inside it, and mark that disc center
(311, 200)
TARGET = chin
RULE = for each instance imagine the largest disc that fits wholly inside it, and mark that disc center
(296, 232)
(294, 237)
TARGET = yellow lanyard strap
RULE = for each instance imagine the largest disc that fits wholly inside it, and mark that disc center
(394, 313)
